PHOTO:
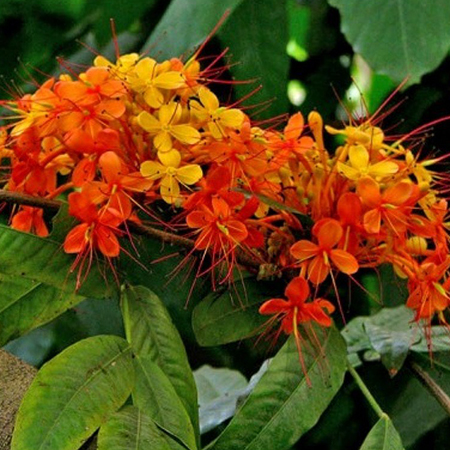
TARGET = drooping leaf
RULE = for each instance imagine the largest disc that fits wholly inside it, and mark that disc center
(399, 38)
(257, 37)
(44, 261)
(152, 334)
(74, 393)
(129, 429)
(26, 304)
(229, 316)
(383, 436)
(282, 406)
(155, 396)
(185, 25)
(391, 333)
(220, 391)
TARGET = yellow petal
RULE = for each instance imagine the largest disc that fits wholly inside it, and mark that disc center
(232, 118)
(189, 174)
(153, 170)
(383, 169)
(185, 134)
(198, 111)
(163, 141)
(169, 190)
(172, 158)
(348, 172)
(359, 156)
(168, 113)
(145, 68)
(169, 80)
(153, 97)
(148, 122)
(208, 99)
(216, 130)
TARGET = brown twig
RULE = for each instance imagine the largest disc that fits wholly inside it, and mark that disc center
(53, 205)
(433, 388)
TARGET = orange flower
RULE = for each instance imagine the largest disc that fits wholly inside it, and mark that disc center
(317, 257)
(389, 207)
(30, 220)
(98, 230)
(295, 310)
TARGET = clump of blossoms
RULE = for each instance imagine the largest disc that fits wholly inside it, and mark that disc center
(121, 138)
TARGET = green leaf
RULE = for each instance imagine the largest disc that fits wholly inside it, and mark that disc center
(282, 407)
(73, 394)
(383, 436)
(415, 35)
(150, 331)
(391, 333)
(229, 316)
(44, 261)
(185, 25)
(154, 395)
(26, 304)
(257, 37)
(131, 429)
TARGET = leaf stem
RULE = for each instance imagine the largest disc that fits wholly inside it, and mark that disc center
(432, 387)
(365, 390)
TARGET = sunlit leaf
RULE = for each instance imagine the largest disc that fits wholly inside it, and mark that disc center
(152, 334)
(74, 393)
(132, 429)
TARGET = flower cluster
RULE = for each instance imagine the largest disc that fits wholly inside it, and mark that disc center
(122, 137)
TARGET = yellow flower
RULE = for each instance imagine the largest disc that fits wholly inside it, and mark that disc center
(360, 165)
(151, 79)
(217, 118)
(166, 127)
(171, 174)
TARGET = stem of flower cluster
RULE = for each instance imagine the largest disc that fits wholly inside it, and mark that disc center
(365, 391)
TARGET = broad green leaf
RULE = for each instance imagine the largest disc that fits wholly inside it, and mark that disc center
(185, 25)
(383, 436)
(220, 391)
(73, 394)
(155, 396)
(150, 331)
(282, 407)
(257, 37)
(26, 304)
(131, 429)
(415, 35)
(229, 316)
(43, 260)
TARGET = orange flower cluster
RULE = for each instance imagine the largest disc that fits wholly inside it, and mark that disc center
(122, 137)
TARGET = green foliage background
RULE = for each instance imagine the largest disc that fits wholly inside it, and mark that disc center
(306, 54)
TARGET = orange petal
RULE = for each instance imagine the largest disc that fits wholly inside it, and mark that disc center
(317, 270)
(369, 191)
(294, 127)
(344, 261)
(111, 166)
(372, 221)
(349, 208)
(107, 241)
(75, 241)
(329, 233)
(399, 193)
(303, 250)
(274, 306)
(297, 291)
